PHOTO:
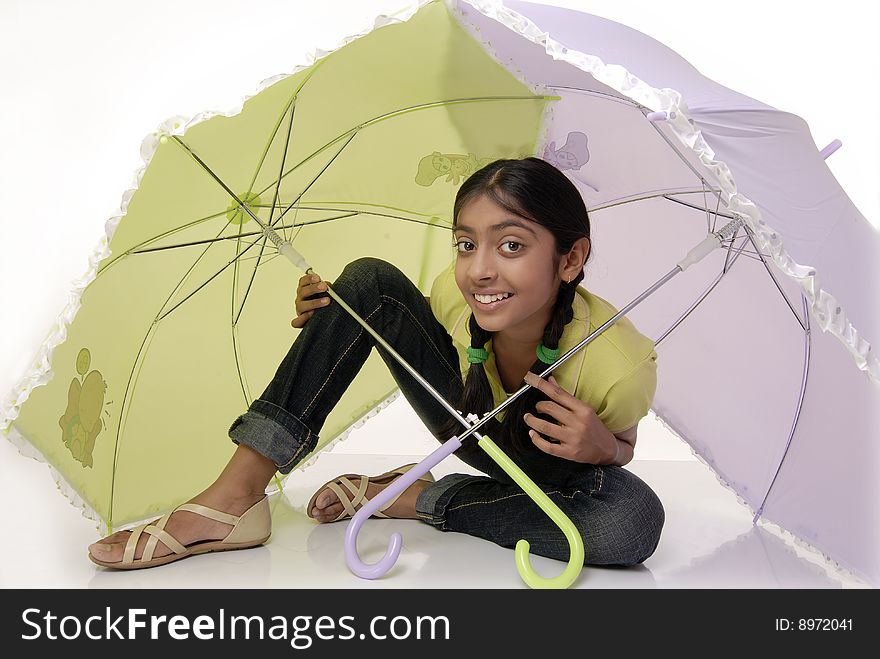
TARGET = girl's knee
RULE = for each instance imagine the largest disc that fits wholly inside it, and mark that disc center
(367, 267)
(649, 519)
(632, 532)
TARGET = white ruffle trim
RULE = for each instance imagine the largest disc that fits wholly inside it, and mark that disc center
(832, 568)
(826, 309)
(28, 450)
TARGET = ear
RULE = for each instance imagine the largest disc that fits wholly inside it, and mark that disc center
(573, 262)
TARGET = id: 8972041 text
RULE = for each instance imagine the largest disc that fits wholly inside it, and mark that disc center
(814, 624)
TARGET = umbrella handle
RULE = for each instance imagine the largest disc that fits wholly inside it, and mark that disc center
(376, 570)
(575, 542)
(523, 564)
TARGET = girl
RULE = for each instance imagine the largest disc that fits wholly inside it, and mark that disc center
(508, 305)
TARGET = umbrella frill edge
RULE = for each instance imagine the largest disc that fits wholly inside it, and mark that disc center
(811, 553)
(28, 450)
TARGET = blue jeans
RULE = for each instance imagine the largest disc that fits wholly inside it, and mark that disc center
(619, 516)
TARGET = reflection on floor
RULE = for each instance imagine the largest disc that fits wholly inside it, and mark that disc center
(708, 541)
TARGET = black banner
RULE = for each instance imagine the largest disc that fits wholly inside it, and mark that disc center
(433, 622)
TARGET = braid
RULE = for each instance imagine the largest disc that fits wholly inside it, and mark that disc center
(514, 429)
(477, 396)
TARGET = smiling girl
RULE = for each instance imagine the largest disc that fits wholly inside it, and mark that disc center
(507, 306)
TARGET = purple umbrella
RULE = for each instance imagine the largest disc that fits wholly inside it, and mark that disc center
(764, 350)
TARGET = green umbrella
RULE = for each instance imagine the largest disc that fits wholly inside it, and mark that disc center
(185, 323)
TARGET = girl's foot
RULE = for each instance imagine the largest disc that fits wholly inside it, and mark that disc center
(185, 526)
(326, 506)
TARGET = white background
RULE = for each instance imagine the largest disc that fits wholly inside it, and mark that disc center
(83, 81)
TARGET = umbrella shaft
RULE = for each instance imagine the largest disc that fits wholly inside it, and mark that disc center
(427, 385)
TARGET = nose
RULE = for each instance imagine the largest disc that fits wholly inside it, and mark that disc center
(481, 267)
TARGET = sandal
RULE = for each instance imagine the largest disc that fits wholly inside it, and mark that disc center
(351, 505)
(250, 529)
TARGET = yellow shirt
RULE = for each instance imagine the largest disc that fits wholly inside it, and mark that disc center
(615, 374)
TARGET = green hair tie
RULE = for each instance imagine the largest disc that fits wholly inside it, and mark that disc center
(477, 355)
(545, 354)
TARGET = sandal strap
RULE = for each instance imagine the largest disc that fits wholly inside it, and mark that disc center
(210, 513)
(156, 531)
(350, 504)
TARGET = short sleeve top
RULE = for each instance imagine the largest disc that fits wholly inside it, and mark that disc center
(615, 374)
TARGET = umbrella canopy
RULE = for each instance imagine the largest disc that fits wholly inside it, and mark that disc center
(361, 154)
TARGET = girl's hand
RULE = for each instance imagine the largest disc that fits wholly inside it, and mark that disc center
(309, 297)
(579, 434)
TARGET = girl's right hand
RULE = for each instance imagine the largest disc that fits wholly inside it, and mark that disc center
(309, 296)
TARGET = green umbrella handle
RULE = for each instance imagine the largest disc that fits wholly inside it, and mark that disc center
(575, 542)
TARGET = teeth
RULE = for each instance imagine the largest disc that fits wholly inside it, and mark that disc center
(486, 299)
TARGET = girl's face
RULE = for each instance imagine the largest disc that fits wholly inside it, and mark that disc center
(497, 252)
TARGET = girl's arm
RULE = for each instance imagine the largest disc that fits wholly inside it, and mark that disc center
(626, 446)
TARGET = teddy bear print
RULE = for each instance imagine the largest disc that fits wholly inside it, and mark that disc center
(452, 165)
(81, 421)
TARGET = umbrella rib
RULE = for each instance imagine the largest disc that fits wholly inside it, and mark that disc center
(135, 249)
(605, 96)
(324, 169)
(203, 284)
(234, 327)
(642, 197)
(797, 415)
(710, 219)
(762, 257)
(237, 314)
(123, 413)
(250, 283)
(697, 302)
(235, 237)
(728, 265)
(429, 220)
(291, 101)
(206, 241)
(729, 216)
(281, 169)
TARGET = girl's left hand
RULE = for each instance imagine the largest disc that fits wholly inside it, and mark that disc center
(581, 435)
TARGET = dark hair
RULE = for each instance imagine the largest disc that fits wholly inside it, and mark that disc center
(537, 191)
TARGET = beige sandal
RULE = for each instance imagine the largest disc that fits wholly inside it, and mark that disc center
(250, 529)
(351, 505)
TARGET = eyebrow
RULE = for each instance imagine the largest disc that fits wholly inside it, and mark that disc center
(498, 227)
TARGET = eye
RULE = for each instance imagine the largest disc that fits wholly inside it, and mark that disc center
(513, 242)
(462, 242)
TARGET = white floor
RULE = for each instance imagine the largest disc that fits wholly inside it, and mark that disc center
(708, 540)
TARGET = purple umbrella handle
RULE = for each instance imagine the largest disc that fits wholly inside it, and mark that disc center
(376, 570)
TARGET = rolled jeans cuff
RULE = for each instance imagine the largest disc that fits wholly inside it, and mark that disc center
(432, 501)
(275, 433)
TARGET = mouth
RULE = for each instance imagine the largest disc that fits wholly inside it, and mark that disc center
(494, 304)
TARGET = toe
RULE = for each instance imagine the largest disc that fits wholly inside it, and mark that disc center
(326, 498)
(106, 551)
